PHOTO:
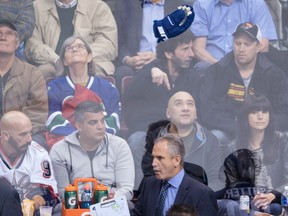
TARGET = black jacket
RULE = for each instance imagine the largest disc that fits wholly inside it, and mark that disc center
(9, 200)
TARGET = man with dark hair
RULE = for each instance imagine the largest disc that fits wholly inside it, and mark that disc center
(172, 45)
(171, 185)
(91, 152)
(87, 106)
(145, 99)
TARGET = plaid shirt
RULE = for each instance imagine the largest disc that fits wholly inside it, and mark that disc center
(21, 13)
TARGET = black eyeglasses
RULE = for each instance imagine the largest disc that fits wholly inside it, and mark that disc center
(70, 49)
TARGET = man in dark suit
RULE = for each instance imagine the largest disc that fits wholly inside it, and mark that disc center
(138, 48)
(168, 159)
(9, 199)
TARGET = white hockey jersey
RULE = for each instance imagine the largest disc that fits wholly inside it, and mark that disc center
(33, 167)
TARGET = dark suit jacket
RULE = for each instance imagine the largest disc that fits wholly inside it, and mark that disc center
(191, 193)
(9, 200)
(128, 16)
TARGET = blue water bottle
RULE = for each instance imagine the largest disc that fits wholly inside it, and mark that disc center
(86, 197)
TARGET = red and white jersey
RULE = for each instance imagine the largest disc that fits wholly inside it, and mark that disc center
(33, 167)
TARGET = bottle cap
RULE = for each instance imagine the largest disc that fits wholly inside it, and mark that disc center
(101, 187)
(285, 187)
(86, 187)
(70, 188)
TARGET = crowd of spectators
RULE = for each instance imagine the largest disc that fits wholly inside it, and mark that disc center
(219, 87)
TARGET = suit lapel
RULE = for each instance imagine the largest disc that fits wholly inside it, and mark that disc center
(155, 194)
(182, 191)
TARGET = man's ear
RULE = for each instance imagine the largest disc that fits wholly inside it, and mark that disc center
(177, 160)
(78, 125)
(5, 135)
(167, 113)
(168, 55)
(259, 46)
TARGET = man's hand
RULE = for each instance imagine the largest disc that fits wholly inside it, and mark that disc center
(38, 201)
(261, 214)
(58, 65)
(141, 59)
(111, 195)
(263, 200)
(159, 77)
(174, 24)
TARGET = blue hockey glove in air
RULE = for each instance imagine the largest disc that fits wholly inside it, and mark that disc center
(174, 24)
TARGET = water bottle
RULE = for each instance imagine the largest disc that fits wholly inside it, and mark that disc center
(284, 200)
(86, 197)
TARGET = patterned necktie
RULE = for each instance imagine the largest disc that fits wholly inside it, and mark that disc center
(162, 199)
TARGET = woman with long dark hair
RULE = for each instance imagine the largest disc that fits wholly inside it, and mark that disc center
(269, 149)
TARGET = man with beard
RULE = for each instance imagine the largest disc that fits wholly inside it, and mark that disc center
(24, 163)
(145, 99)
